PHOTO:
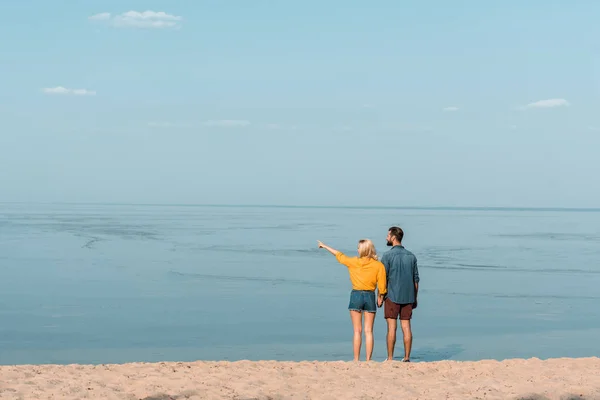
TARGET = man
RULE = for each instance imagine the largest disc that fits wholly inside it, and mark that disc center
(402, 288)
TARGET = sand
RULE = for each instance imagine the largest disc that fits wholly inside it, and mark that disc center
(511, 379)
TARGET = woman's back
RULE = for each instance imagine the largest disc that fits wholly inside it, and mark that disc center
(366, 273)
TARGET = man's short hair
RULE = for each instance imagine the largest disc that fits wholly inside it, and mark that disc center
(397, 232)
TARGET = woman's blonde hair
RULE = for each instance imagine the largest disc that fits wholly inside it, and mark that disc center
(366, 248)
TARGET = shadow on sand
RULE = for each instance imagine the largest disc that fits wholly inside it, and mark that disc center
(181, 396)
(187, 395)
(565, 397)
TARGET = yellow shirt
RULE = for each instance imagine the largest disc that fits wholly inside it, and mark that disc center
(365, 273)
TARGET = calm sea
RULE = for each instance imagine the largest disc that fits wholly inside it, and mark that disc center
(119, 283)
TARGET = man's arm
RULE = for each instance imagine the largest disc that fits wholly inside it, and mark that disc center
(386, 267)
(386, 264)
(416, 281)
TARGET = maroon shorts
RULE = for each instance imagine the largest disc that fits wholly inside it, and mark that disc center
(393, 310)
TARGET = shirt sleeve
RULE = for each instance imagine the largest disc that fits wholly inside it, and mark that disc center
(382, 280)
(386, 264)
(345, 260)
(415, 271)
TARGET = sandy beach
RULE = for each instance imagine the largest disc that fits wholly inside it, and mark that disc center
(511, 379)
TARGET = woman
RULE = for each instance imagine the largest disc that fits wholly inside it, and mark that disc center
(366, 274)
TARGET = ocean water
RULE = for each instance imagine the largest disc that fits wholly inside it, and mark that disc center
(120, 283)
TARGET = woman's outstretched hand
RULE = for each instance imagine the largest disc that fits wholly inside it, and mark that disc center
(329, 249)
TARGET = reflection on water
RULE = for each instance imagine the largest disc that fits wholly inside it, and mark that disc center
(231, 278)
(94, 283)
(554, 236)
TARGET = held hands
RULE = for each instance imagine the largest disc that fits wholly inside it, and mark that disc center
(379, 301)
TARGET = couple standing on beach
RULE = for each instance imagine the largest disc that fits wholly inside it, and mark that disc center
(396, 277)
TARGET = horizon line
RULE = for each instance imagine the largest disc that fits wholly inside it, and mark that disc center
(357, 207)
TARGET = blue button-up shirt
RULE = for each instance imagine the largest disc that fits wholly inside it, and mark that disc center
(402, 274)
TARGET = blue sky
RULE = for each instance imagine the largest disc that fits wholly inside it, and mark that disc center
(412, 103)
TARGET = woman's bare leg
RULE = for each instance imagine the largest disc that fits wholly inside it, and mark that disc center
(369, 320)
(356, 317)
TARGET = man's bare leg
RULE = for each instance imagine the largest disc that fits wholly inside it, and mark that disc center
(356, 317)
(407, 333)
(369, 320)
(392, 325)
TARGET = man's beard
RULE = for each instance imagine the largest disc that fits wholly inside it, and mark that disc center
(389, 243)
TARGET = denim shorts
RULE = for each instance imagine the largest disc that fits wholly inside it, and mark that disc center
(362, 300)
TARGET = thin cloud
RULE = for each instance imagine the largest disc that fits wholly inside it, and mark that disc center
(227, 123)
(224, 123)
(158, 124)
(100, 17)
(60, 90)
(450, 109)
(550, 103)
(279, 127)
(406, 128)
(140, 19)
